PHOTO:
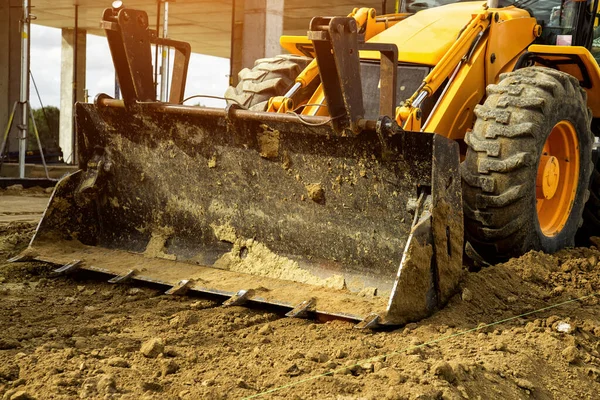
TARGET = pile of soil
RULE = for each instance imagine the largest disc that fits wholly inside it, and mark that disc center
(78, 337)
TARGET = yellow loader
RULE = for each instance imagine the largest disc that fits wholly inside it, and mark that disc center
(346, 178)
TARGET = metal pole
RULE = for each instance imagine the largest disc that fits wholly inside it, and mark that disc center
(157, 47)
(231, 80)
(165, 62)
(7, 131)
(75, 83)
(24, 94)
(39, 143)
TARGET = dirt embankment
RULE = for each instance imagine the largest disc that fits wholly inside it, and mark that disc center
(76, 337)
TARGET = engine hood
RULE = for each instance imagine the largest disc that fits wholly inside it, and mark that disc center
(424, 38)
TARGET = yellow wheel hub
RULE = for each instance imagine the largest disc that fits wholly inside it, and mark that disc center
(557, 178)
(548, 177)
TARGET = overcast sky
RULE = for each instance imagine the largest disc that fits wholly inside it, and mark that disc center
(207, 75)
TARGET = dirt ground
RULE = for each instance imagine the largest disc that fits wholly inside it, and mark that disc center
(79, 337)
(14, 209)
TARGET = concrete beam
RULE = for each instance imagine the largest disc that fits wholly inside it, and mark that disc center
(261, 28)
(11, 13)
(71, 91)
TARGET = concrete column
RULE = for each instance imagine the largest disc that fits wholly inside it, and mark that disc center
(71, 92)
(261, 29)
(11, 13)
(237, 38)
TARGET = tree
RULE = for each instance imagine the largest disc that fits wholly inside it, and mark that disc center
(47, 122)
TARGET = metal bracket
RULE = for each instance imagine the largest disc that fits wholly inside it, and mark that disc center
(388, 76)
(337, 44)
(239, 298)
(302, 309)
(125, 277)
(371, 321)
(130, 39)
(335, 40)
(67, 268)
(181, 288)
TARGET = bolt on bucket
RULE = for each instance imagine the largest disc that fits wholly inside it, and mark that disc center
(262, 208)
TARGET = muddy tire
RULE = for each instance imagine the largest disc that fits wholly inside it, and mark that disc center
(512, 132)
(269, 77)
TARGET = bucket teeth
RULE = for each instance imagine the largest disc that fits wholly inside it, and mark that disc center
(181, 288)
(370, 322)
(302, 309)
(125, 277)
(20, 258)
(67, 268)
(239, 298)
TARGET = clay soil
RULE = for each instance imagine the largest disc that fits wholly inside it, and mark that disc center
(79, 337)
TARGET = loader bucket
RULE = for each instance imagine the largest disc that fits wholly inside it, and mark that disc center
(261, 208)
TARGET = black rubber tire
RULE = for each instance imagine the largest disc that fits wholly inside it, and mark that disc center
(504, 148)
(268, 78)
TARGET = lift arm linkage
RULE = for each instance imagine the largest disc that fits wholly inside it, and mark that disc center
(130, 40)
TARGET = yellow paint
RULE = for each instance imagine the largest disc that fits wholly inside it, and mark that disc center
(548, 177)
(280, 104)
(457, 54)
(455, 111)
(414, 120)
(555, 52)
(320, 107)
(293, 44)
(508, 38)
(366, 18)
(309, 74)
(559, 188)
(426, 37)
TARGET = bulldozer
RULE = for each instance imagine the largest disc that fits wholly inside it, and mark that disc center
(348, 177)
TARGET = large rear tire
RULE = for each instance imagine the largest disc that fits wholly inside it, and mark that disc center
(268, 78)
(527, 169)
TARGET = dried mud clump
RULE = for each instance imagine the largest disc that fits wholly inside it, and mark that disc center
(316, 192)
(268, 143)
